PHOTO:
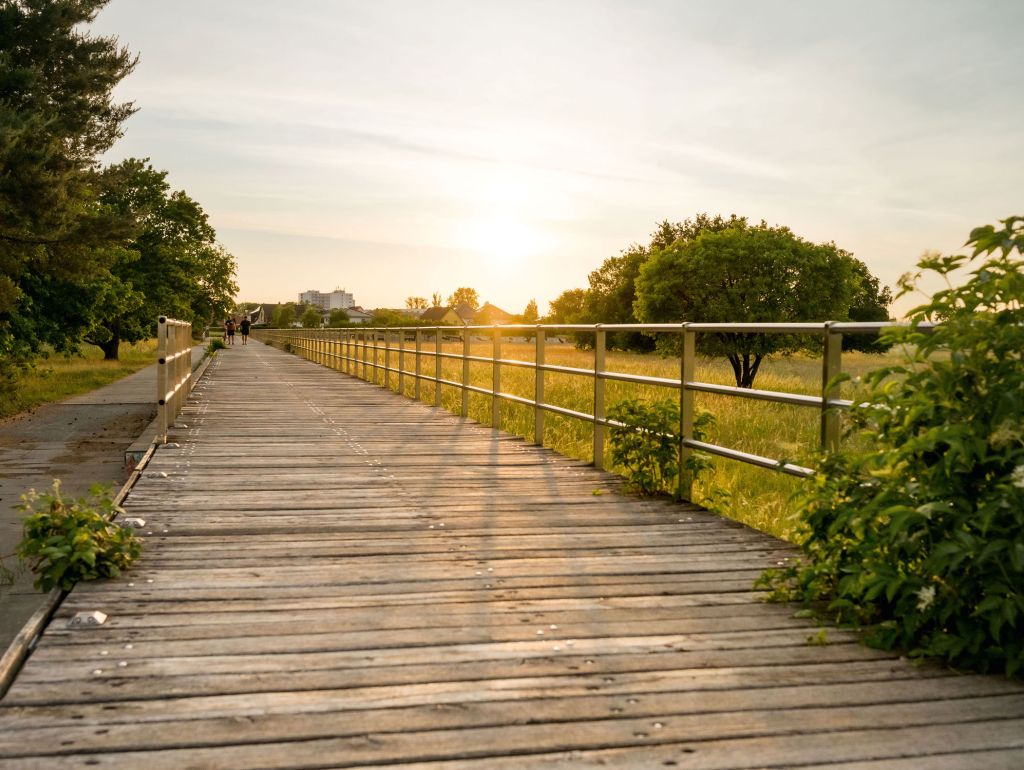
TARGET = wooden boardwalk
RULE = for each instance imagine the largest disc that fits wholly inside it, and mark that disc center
(340, 577)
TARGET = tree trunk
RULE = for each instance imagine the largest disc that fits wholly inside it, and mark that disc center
(750, 368)
(110, 347)
(737, 371)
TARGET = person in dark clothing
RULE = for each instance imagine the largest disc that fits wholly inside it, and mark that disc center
(229, 331)
(243, 327)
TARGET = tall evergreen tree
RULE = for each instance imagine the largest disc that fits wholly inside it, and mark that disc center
(57, 116)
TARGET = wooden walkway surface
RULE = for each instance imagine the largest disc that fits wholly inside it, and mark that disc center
(340, 577)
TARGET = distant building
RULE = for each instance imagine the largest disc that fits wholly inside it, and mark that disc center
(327, 301)
(492, 314)
(357, 315)
(440, 315)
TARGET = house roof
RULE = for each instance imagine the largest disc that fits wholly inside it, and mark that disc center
(436, 313)
(489, 313)
(465, 312)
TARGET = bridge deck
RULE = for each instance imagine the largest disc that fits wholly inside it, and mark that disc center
(339, 577)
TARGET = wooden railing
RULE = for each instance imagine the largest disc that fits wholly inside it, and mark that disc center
(174, 371)
(375, 354)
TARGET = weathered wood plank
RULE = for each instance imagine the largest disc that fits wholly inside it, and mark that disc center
(340, 577)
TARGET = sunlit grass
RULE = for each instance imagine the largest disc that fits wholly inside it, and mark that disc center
(758, 497)
(57, 377)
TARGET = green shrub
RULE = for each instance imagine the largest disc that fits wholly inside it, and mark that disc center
(646, 444)
(70, 540)
(920, 537)
(215, 344)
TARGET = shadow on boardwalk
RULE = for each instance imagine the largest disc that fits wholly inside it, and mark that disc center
(339, 577)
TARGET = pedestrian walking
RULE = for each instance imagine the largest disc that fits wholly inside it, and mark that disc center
(229, 331)
(244, 328)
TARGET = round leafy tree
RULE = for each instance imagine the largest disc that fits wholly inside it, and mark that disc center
(919, 536)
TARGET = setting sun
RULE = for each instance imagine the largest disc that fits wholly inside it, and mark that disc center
(503, 240)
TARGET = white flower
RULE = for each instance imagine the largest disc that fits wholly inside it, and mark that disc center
(1017, 477)
(925, 597)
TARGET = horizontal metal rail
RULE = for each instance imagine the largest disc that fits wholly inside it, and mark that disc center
(370, 353)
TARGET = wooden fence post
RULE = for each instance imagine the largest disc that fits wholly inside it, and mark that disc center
(418, 367)
(496, 379)
(465, 371)
(831, 367)
(438, 340)
(538, 388)
(687, 355)
(600, 341)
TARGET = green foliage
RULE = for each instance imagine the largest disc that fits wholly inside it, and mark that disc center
(464, 295)
(530, 314)
(311, 318)
(70, 540)
(216, 344)
(646, 443)
(338, 319)
(284, 316)
(57, 118)
(172, 265)
(920, 536)
(740, 273)
(387, 317)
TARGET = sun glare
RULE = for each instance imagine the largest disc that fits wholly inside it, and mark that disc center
(503, 241)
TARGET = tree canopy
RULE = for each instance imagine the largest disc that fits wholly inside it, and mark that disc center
(338, 318)
(311, 318)
(57, 117)
(173, 266)
(750, 273)
(86, 253)
(464, 295)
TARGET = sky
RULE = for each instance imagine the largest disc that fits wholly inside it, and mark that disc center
(399, 148)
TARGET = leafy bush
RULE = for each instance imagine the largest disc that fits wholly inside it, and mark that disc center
(215, 344)
(646, 444)
(70, 540)
(920, 537)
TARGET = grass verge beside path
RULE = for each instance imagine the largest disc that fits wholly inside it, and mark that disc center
(59, 377)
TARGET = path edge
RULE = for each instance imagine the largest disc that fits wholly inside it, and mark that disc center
(25, 641)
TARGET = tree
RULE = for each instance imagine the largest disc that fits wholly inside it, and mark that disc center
(172, 266)
(612, 293)
(436, 299)
(58, 117)
(284, 316)
(747, 273)
(338, 318)
(568, 307)
(387, 317)
(530, 312)
(416, 303)
(870, 303)
(466, 296)
(311, 318)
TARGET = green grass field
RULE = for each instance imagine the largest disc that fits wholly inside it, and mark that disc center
(758, 497)
(58, 377)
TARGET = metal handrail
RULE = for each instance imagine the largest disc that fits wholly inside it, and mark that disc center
(367, 352)
(174, 371)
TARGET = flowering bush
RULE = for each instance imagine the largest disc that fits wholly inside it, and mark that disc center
(920, 537)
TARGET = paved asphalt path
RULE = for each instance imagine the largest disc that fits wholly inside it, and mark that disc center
(81, 441)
